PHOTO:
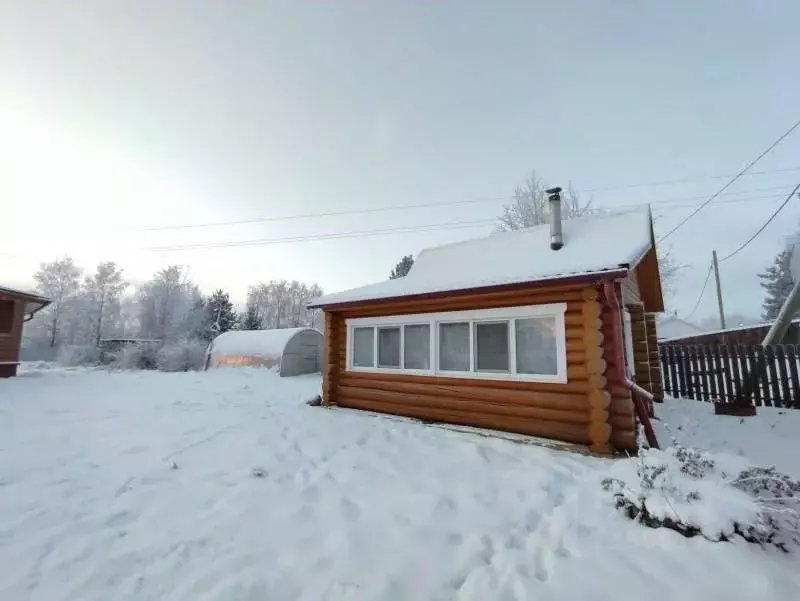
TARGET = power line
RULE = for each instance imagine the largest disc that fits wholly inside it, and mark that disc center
(336, 235)
(315, 215)
(431, 204)
(732, 180)
(655, 204)
(764, 226)
(330, 236)
(702, 292)
(686, 180)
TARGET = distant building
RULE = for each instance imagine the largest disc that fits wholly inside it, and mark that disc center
(740, 335)
(672, 326)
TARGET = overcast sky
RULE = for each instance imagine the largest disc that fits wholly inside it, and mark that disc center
(118, 116)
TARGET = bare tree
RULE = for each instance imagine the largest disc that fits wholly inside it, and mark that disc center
(58, 281)
(280, 304)
(529, 208)
(103, 290)
(529, 205)
(170, 304)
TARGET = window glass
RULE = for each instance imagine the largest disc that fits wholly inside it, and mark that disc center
(454, 346)
(363, 343)
(537, 351)
(389, 347)
(417, 347)
(491, 346)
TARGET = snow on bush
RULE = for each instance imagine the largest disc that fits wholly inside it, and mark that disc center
(74, 355)
(135, 356)
(716, 496)
(185, 355)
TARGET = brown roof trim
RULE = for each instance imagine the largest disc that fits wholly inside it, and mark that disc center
(584, 278)
(27, 296)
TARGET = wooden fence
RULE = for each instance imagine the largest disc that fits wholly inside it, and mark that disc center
(771, 375)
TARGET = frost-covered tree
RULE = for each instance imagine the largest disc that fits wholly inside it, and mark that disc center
(103, 291)
(282, 304)
(402, 268)
(59, 281)
(250, 320)
(169, 305)
(220, 315)
(777, 282)
(530, 207)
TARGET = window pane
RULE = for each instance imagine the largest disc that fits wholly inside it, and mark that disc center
(491, 346)
(362, 347)
(454, 346)
(389, 347)
(537, 351)
(417, 347)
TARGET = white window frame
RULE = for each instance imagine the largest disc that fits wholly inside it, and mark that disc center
(510, 314)
(627, 330)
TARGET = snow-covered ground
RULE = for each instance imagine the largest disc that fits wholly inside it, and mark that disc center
(772, 437)
(224, 485)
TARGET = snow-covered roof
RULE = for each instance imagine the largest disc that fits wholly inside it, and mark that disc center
(675, 327)
(752, 326)
(33, 301)
(592, 245)
(265, 343)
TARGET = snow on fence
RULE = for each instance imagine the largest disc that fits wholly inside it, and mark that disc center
(765, 376)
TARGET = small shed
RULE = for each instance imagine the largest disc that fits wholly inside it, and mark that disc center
(294, 351)
(16, 307)
(545, 331)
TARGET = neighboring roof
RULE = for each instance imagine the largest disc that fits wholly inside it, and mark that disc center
(596, 245)
(264, 343)
(675, 327)
(33, 302)
(753, 326)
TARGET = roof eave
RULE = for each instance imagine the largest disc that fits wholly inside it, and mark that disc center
(26, 296)
(591, 277)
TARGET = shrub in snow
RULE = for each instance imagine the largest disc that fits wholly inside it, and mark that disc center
(185, 355)
(695, 494)
(135, 356)
(73, 355)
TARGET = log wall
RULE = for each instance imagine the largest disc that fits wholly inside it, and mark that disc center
(655, 359)
(623, 426)
(584, 410)
(11, 334)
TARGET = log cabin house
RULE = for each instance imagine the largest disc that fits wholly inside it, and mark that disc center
(16, 307)
(547, 331)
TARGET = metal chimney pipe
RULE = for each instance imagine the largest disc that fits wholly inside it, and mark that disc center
(556, 237)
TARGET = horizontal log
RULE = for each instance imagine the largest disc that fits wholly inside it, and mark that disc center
(572, 386)
(464, 406)
(623, 440)
(591, 309)
(556, 430)
(597, 381)
(530, 398)
(578, 320)
(464, 303)
(592, 338)
(622, 422)
(596, 366)
(621, 406)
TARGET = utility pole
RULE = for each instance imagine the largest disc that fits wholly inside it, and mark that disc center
(719, 290)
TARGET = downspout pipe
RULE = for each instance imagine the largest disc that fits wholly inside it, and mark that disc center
(639, 394)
